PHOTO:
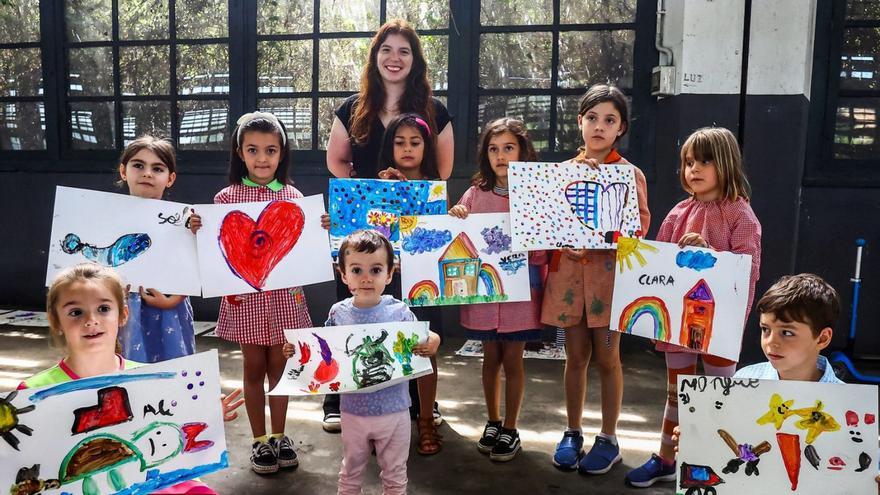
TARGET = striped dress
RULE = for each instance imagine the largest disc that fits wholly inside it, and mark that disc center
(261, 318)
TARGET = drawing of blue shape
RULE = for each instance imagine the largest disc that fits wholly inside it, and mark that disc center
(125, 249)
(695, 260)
(351, 200)
(496, 240)
(512, 266)
(426, 240)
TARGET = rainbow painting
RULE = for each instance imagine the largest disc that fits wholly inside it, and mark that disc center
(648, 305)
(426, 290)
(491, 280)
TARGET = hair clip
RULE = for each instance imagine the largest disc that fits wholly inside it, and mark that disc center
(249, 117)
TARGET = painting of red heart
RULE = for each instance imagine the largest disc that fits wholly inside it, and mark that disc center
(253, 247)
(556, 205)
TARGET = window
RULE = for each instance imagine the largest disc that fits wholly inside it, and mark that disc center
(470, 269)
(452, 271)
(136, 66)
(22, 109)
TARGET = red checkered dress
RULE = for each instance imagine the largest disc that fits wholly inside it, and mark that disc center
(725, 225)
(261, 317)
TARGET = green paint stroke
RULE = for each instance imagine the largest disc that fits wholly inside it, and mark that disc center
(569, 297)
(454, 300)
(403, 351)
(562, 317)
(597, 306)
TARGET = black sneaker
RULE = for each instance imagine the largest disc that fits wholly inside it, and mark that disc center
(263, 459)
(284, 452)
(490, 437)
(438, 418)
(332, 422)
(506, 447)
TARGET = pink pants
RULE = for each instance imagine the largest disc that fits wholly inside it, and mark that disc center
(390, 436)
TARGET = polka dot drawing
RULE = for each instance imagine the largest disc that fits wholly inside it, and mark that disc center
(555, 205)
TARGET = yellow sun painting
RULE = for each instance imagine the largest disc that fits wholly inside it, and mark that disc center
(630, 247)
(407, 224)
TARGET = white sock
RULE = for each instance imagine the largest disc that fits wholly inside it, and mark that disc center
(574, 429)
(611, 438)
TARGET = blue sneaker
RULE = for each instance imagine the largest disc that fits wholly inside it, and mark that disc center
(601, 458)
(569, 450)
(650, 472)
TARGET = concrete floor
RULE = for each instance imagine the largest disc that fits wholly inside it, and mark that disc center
(458, 468)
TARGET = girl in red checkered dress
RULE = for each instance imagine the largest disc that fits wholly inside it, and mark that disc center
(505, 328)
(717, 215)
(258, 169)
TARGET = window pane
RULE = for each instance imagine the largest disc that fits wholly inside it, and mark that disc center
(596, 11)
(568, 135)
(533, 110)
(202, 69)
(201, 18)
(145, 117)
(296, 114)
(22, 126)
(22, 74)
(204, 125)
(422, 14)
(590, 57)
(436, 49)
(284, 66)
(91, 71)
(92, 125)
(138, 70)
(862, 9)
(20, 21)
(143, 19)
(349, 15)
(341, 62)
(516, 12)
(525, 62)
(285, 16)
(326, 107)
(88, 20)
(856, 135)
(859, 64)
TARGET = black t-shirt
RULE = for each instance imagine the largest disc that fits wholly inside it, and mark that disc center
(365, 158)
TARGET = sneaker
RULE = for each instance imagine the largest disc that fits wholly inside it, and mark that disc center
(569, 450)
(263, 459)
(601, 458)
(332, 422)
(438, 418)
(284, 452)
(506, 447)
(490, 437)
(651, 472)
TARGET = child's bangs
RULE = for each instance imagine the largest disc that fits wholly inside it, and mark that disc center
(701, 147)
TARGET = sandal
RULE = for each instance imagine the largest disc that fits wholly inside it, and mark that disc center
(430, 441)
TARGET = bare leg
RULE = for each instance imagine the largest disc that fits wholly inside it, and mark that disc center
(515, 381)
(255, 366)
(492, 378)
(277, 403)
(606, 349)
(428, 391)
(578, 348)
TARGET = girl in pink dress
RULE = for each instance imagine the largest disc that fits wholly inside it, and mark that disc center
(504, 328)
(717, 215)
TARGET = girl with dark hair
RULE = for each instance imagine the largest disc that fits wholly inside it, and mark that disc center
(394, 81)
(408, 150)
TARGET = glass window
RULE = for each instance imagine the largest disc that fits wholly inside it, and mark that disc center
(22, 109)
(452, 271)
(201, 18)
(22, 126)
(284, 16)
(145, 117)
(516, 12)
(20, 22)
(22, 72)
(203, 124)
(92, 125)
(349, 16)
(525, 64)
(143, 20)
(296, 114)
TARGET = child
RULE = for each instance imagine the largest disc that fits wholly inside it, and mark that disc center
(159, 327)
(86, 308)
(577, 296)
(718, 216)
(504, 329)
(258, 168)
(373, 420)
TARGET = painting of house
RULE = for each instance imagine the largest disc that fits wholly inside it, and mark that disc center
(459, 267)
(697, 316)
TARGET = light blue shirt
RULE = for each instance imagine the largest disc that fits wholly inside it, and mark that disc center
(387, 400)
(766, 371)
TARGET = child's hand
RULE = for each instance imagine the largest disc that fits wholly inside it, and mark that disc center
(194, 222)
(392, 173)
(325, 221)
(592, 162)
(230, 404)
(156, 299)
(459, 211)
(288, 350)
(692, 239)
(676, 437)
(575, 254)
(429, 347)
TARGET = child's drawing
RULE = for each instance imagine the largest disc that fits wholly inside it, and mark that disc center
(796, 444)
(470, 266)
(425, 240)
(9, 422)
(659, 298)
(250, 247)
(84, 439)
(572, 205)
(121, 231)
(379, 204)
(370, 358)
